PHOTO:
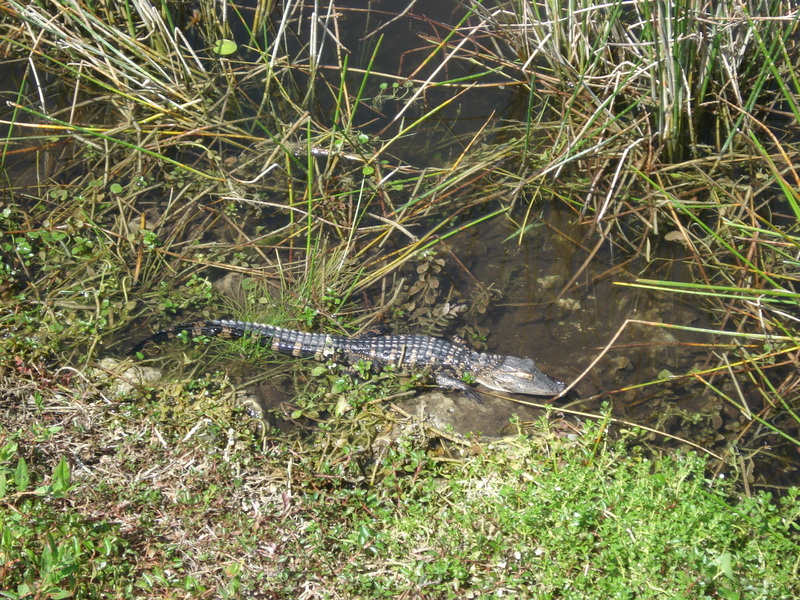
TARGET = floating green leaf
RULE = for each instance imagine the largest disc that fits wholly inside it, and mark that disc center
(225, 47)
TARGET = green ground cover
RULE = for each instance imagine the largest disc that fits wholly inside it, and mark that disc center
(551, 514)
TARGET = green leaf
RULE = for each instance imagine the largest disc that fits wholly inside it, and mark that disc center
(728, 594)
(46, 557)
(225, 47)
(725, 561)
(116, 188)
(21, 475)
(365, 535)
(61, 476)
(7, 451)
(367, 170)
(342, 406)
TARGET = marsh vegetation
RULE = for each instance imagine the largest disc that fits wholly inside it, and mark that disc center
(608, 187)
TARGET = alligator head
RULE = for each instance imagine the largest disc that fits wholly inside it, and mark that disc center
(518, 376)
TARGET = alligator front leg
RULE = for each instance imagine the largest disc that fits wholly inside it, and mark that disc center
(443, 380)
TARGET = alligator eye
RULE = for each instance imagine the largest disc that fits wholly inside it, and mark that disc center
(521, 375)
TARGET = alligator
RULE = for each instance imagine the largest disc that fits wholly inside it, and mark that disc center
(451, 363)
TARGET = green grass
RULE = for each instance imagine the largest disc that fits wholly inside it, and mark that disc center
(541, 516)
(563, 524)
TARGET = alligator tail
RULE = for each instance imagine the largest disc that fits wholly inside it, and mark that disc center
(197, 329)
(285, 341)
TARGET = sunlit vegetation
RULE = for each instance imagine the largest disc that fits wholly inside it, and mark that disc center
(311, 166)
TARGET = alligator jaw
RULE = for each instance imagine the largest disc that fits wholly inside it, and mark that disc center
(518, 376)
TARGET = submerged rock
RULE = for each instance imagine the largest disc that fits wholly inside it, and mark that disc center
(460, 415)
(125, 377)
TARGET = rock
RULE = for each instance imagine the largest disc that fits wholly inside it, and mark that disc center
(127, 377)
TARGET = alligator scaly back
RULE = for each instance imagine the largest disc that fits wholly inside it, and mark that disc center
(285, 341)
(448, 362)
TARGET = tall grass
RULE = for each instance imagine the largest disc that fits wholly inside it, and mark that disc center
(275, 142)
(234, 115)
(682, 118)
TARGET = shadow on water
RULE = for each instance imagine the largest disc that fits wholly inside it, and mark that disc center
(566, 325)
